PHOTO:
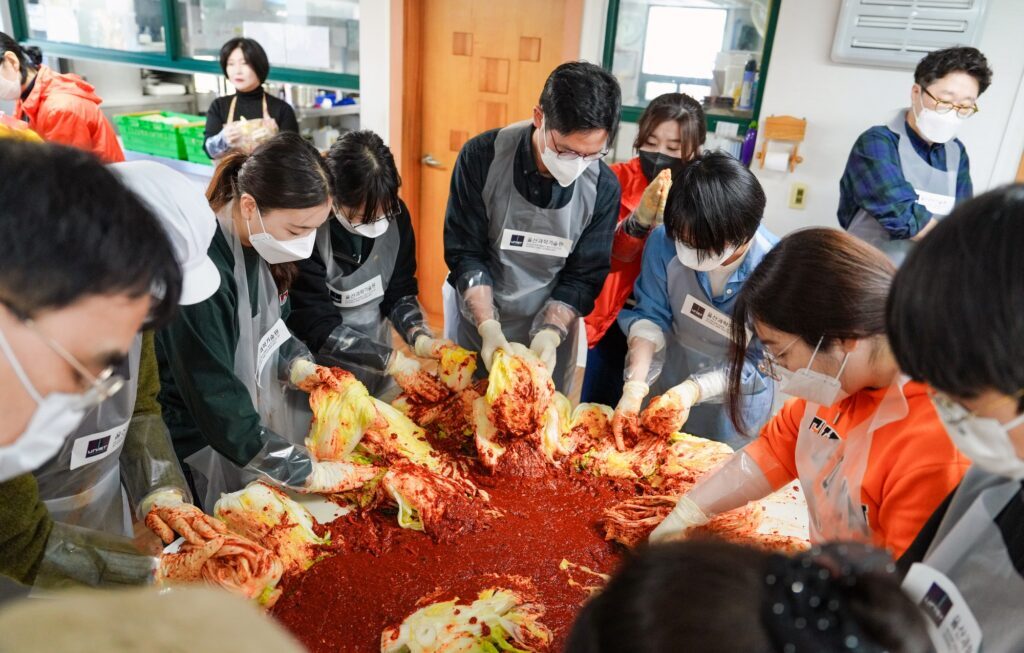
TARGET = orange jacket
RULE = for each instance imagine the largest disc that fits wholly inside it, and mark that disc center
(626, 251)
(65, 109)
(911, 467)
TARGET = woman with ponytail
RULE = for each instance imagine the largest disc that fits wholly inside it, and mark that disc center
(60, 108)
(229, 366)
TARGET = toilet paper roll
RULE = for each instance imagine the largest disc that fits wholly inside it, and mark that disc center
(777, 161)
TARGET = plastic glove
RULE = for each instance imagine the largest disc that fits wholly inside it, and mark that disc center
(187, 567)
(79, 556)
(301, 371)
(409, 375)
(626, 420)
(545, 345)
(684, 516)
(428, 347)
(333, 477)
(651, 210)
(666, 414)
(167, 514)
(493, 340)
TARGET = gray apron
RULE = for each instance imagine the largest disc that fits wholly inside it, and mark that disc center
(970, 551)
(528, 248)
(257, 358)
(936, 190)
(700, 342)
(359, 295)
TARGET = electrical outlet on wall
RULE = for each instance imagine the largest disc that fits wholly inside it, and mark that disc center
(798, 196)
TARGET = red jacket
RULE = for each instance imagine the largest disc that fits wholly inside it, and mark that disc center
(65, 109)
(626, 255)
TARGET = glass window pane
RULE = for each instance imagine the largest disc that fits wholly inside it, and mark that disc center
(303, 34)
(682, 41)
(131, 25)
(654, 89)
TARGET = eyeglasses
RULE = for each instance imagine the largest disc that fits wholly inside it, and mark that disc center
(101, 387)
(943, 107)
(769, 361)
(570, 155)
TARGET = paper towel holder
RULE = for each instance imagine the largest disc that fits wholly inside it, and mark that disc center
(787, 129)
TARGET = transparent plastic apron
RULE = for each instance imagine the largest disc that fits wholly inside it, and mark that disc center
(359, 295)
(257, 358)
(528, 248)
(253, 132)
(936, 190)
(969, 550)
(831, 469)
(700, 342)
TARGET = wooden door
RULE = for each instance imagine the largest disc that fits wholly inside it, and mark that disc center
(482, 65)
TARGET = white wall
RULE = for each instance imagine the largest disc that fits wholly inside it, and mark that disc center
(375, 66)
(841, 101)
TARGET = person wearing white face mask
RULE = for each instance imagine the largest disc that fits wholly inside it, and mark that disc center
(678, 333)
(865, 442)
(903, 177)
(361, 279)
(529, 225)
(229, 367)
(70, 312)
(967, 343)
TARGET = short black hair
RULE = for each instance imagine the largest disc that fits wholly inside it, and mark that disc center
(29, 57)
(253, 52)
(715, 202)
(579, 96)
(955, 315)
(364, 174)
(936, 65)
(72, 230)
(705, 595)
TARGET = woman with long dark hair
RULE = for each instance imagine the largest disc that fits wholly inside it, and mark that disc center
(361, 279)
(866, 443)
(670, 133)
(229, 366)
(62, 108)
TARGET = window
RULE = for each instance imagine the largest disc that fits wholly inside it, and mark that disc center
(679, 50)
(128, 25)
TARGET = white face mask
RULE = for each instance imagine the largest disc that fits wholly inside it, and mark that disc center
(56, 415)
(375, 229)
(691, 258)
(10, 90)
(276, 251)
(813, 386)
(937, 127)
(982, 439)
(564, 171)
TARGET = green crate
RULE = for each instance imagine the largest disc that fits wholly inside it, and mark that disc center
(152, 137)
(194, 137)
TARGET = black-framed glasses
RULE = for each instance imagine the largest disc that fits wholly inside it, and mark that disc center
(943, 107)
(102, 386)
(570, 155)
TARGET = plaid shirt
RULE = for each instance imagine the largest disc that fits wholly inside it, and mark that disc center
(873, 181)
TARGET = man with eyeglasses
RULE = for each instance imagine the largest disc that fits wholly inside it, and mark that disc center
(901, 178)
(529, 225)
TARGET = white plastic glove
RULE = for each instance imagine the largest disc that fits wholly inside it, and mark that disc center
(401, 365)
(332, 477)
(493, 340)
(684, 516)
(165, 513)
(667, 413)
(301, 370)
(651, 210)
(545, 345)
(427, 347)
(626, 420)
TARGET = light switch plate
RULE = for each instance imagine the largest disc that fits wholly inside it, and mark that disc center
(798, 196)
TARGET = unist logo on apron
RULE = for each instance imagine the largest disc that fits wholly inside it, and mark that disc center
(92, 448)
(536, 243)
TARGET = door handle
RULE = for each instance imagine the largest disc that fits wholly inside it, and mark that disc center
(429, 160)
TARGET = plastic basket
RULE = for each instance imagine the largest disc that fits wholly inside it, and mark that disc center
(194, 137)
(140, 134)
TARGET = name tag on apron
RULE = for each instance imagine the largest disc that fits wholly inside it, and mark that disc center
(524, 241)
(937, 204)
(361, 294)
(89, 449)
(951, 625)
(270, 343)
(708, 316)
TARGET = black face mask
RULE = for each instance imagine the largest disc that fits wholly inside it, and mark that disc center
(651, 163)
